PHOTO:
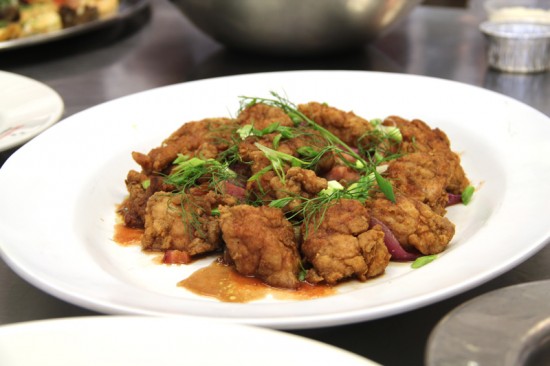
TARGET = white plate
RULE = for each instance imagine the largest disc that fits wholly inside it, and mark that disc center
(27, 107)
(58, 195)
(137, 341)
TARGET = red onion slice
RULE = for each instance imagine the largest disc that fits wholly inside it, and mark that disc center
(397, 252)
(454, 199)
(235, 191)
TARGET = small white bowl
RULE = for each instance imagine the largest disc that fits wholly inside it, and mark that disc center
(521, 47)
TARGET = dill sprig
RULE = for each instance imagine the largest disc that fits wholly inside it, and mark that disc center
(311, 211)
(364, 166)
(189, 172)
(192, 171)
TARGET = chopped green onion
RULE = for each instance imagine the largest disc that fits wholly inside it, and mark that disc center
(333, 185)
(393, 133)
(422, 261)
(467, 194)
(276, 141)
(245, 131)
(281, 202)
(146, 183)
(375, 122)
(307, 151)
(385, 186)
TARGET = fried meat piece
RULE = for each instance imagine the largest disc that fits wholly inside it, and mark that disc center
(133, 207)
(345, 125)
(262, 115)
(413, 223)
(183, 222)
(297, 183)
(343, 246)
(260, 242)
(418, 137)
(204, 139)
(423, 177)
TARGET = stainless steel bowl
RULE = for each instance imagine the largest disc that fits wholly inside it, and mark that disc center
(295, 27)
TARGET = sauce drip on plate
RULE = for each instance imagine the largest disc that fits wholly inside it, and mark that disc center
(127, 236)
(222, 282)
(225, 284)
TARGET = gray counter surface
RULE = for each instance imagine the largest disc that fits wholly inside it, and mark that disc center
(158, 46)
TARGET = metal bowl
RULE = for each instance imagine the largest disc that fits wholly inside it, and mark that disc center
(291, 27)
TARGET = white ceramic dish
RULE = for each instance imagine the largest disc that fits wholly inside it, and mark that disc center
(27, 107)
(145, 341)
(57, 219)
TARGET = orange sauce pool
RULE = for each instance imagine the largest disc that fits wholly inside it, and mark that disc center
(127, 236)
(225, 284)
(222, 282)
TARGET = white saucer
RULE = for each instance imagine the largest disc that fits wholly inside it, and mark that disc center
(144, 341)
(27, 107)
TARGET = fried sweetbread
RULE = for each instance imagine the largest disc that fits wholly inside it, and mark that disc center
(413, 223)
(341, 245)
(184, 222)
(260, 242)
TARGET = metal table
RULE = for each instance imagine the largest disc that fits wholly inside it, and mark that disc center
(157, 47)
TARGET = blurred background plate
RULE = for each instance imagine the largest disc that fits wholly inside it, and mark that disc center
(137, 341)
(126, 9)
(27, 107)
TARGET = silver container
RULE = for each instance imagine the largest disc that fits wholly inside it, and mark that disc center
(295, 27)
(517, 46)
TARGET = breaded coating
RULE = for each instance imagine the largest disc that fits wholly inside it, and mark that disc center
(183, 222)
(260, 242)
(413, 223)
(262, 115)
(419, 137)
(422, 176)
(298, 182)
(132, 208)
(204, 139)
(343, 246)
(345, 125)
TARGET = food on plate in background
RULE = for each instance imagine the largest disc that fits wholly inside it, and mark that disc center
(24, 18)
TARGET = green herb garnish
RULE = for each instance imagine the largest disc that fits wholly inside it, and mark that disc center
(422, 261)
(363, 166)
(467, 194)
